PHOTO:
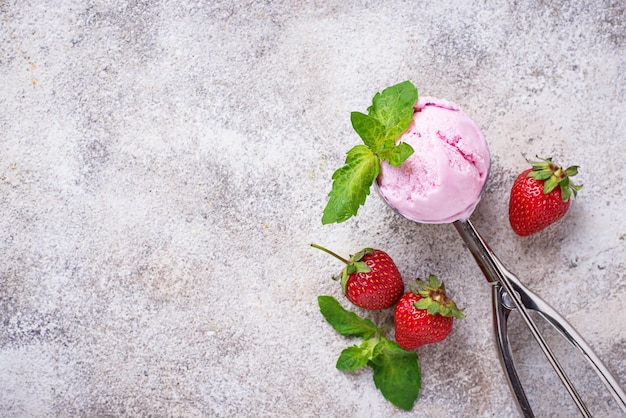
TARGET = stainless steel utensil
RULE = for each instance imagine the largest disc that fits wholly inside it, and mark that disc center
(509, 294)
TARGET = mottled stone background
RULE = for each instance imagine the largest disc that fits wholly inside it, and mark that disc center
(164, 166)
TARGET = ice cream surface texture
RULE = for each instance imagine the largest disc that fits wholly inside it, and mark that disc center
(442, 180)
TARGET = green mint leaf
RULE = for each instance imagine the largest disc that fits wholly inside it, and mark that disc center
(398, 154)
(388, 117)
(352, 358)
(371, 131)
(351, 184)
(343, 321)
(355, 357)
(396, 374)
(394, 108)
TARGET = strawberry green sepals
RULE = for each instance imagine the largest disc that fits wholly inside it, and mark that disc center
(387, 118)
(434, 298)
(554, 176)
(396, 371)
(353, 265)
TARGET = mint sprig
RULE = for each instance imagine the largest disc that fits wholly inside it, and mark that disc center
(388, 117)
(396, 374)
(396, 371)
(343, 321)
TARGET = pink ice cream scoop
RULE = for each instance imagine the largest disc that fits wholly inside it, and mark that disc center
(442, 180)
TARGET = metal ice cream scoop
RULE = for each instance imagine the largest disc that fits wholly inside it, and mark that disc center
(509, 294)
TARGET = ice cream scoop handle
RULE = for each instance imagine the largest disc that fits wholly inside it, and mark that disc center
(568, 332)
(500, 326)
(495, 271)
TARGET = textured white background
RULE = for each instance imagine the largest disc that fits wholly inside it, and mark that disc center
(164, 166)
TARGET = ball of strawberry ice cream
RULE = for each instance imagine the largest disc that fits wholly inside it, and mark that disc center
(442, 180)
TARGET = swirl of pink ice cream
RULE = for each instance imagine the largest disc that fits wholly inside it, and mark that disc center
(442, 180)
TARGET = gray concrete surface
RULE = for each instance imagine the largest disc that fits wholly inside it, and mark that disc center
(164, 166)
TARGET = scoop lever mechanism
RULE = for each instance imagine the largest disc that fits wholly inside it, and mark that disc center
(509, 294)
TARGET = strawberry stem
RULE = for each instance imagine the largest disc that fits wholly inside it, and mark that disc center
(434, 298)
(327, 251)
(554, 175)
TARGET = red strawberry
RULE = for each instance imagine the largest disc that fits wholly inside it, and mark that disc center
(370, 279)
(536, 202)
(424, 315)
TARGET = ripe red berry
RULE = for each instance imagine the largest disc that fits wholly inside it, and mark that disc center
(540, 196)
(424, 316)
(370, 279)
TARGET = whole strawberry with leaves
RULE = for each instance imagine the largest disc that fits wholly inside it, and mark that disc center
(424, 315)
(370, 279)
(541, 196)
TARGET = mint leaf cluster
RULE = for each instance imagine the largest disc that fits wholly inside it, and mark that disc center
(396, 371)
(387, 118)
